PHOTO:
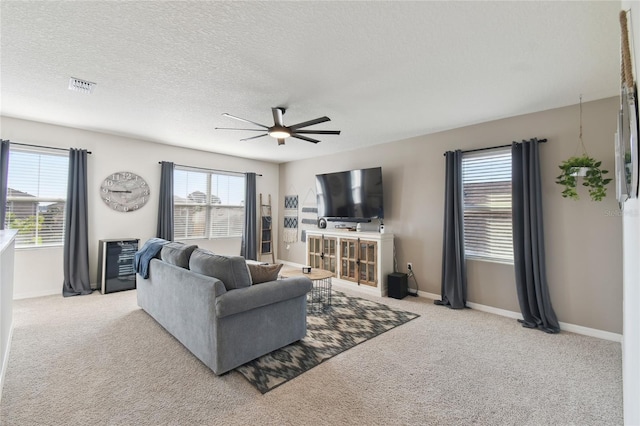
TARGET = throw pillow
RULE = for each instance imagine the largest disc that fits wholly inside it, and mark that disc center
(177, 254)
(231, 270)
(264, 273)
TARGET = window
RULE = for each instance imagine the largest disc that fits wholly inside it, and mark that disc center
(207, 205)
(486, 186)
(36, 196)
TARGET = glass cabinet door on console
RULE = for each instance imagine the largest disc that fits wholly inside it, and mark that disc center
(348, 260)
(322, 253)
(358, 261)
(314, 252)
(329, 251)
(368, 262)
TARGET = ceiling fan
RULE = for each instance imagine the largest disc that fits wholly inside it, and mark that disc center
(279, 131)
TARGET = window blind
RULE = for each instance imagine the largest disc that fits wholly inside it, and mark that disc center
(36, 196)
(227, 214)
(486, 184)
(207, 204)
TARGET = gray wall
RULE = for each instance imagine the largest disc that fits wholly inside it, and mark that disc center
(583, 238)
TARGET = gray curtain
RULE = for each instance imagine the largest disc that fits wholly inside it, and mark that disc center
(76, 235)
(528, 239)
(454, 273)
(249, 246)
(165, 208)
(4, 174)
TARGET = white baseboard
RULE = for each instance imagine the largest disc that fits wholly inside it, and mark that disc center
(286, 262)
(496, 311)
(564, 326)
(46, 292)
(31, 294)
(600, 334)
(428, 295)
(5, 360)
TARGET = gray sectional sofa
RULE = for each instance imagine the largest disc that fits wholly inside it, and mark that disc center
(209, 303)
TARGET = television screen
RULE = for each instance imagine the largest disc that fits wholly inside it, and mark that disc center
(353, 194)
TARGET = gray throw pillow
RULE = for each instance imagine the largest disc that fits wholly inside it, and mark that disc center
(177, 254)
(264, 273)
(231, 270)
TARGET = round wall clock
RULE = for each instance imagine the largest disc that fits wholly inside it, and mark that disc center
(124, 191)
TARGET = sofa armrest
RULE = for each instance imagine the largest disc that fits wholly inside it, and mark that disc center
(245, 299)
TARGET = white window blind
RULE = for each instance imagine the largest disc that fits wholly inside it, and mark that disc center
(207, 204)
(36, 196)
(486, 185)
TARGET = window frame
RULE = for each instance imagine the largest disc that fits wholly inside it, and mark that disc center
(37, 200)
(208, 204)
(494, 249)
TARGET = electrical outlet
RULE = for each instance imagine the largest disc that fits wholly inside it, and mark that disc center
(409, 266)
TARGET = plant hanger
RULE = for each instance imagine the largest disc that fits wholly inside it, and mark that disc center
(585, 167)
(580, 143)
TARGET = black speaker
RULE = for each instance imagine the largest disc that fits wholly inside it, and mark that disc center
(322, 223)
(397, 284)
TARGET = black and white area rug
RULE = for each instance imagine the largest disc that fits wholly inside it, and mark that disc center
(348, 322)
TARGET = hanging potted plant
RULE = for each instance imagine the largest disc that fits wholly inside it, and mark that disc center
(583, 167)
(592, 176)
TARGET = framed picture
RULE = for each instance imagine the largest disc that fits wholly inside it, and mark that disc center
(623, 174)
(628, 133)
(628, 122)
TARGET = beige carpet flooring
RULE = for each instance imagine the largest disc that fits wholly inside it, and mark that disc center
(100, 360)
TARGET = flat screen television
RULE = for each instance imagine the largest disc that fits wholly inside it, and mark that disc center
(353, 195)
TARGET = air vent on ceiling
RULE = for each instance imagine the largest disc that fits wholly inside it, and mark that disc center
(81, 86)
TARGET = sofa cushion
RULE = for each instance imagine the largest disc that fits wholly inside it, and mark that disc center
(231, 270)
(177, 253)
(264, 273)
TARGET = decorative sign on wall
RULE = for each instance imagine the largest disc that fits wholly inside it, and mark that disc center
(309, 214)
(290, 234)
(124, 191)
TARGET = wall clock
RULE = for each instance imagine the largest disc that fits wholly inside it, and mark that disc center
(124, 191)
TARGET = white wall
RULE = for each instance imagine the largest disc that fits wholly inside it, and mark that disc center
(39, 271)
(631, 253)
(631, 312)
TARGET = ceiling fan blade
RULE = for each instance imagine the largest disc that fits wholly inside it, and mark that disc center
(319, 132)
(233, 128)
(304, 138)
(254, 137)
(246, 121)
(280, 142)
(277, 116)
(309, 123)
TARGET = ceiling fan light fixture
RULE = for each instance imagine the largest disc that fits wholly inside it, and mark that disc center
(279, 132)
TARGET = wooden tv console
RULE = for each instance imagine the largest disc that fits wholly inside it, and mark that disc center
(361, 259)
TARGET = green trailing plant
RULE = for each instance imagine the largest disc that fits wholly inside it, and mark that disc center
(594, 179)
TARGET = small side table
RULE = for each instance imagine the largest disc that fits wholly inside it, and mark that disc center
(319, 298)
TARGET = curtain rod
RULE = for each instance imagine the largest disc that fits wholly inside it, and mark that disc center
(39, 146)
(494, 147)
(210, 170)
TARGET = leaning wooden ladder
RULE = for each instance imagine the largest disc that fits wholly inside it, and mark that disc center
(266, 230)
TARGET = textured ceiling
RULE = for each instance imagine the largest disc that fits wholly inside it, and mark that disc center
(382, 71)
